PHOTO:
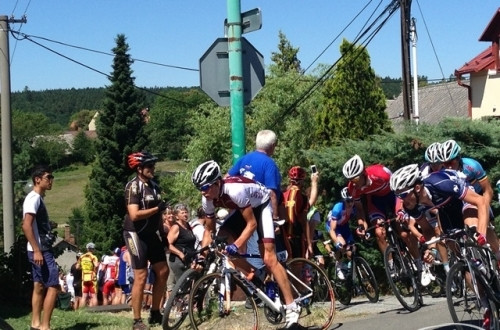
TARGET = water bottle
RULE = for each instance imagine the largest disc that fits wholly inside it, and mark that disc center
(271, 289)
(479, 265)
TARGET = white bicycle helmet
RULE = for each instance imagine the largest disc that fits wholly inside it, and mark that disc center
(449, 150)
(344, 193)
(405, 177)
(353, 167)
(432, 153)
(206, 173)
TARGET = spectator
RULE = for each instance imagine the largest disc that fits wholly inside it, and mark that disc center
(88, 263)
(77, 282)
(168, 222)
(37, 229)
(144, 235)
(124, 275)
(198, 226)
(110, 267)
(71, 288)
(181, 240)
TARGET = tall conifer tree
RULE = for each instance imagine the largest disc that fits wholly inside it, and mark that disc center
(354, 103)
(119, 132)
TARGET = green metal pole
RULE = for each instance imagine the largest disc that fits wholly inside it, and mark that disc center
(236, 78)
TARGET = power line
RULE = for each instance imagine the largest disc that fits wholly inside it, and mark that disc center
(28, 37)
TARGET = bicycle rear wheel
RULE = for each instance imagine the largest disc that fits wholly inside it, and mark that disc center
(402, 280)
(209, 310)
(366, 279)
(177, 307)
(312, 291)
(463, 303)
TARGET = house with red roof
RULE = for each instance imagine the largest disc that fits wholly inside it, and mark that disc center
(481, 75)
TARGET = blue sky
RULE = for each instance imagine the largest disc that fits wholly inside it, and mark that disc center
(177, 33)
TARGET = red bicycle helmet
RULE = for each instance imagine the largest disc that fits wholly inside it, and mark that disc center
(297, 173)
(140, 159)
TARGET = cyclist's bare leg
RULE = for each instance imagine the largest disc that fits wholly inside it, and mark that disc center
(410, 241)
(274, 267)
(381, 238)
(140, 276)
(161, 274)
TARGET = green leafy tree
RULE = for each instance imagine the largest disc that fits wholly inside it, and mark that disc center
(83, 149)
(169, 127)
(353, 101)
(285, 59)
(119, 132)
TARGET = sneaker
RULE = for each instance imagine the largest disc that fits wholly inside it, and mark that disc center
(155, 317)
(292, 318)
(340, 274)
(486, 319)
(138, 325)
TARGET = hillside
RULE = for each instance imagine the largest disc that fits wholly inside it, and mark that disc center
(68, 190)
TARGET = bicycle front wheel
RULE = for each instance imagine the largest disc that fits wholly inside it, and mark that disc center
(341, 287)
(463, 303)
(214, 307)
(401, 279)
(312, 291)
(366, 279)
(177, 307)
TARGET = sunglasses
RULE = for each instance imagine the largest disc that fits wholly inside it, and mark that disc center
(205, 187)
(48, 177)
(405, 193)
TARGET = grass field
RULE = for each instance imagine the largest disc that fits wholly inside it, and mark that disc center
(68, 189)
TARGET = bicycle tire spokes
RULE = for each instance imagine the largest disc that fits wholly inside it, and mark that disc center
(313, 292)
(206, 298)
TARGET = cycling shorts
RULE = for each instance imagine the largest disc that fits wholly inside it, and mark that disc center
(142, 249)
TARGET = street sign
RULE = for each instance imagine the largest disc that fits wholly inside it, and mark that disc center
(250, 21)
(214, 71)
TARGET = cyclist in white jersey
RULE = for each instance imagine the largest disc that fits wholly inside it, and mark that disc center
(253, 203)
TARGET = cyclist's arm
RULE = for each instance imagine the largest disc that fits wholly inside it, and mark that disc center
(313, 196)
(487, 189)
(360, 214)
(251, 225)
(479, 201)
(333, 235)
(135, 214)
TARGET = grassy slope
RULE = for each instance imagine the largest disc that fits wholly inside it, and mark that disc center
(68, 189)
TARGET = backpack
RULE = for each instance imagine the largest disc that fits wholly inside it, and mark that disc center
(295, 204)
(87, 263)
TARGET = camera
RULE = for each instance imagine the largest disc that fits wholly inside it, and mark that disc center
(47, 240)
(314, 169)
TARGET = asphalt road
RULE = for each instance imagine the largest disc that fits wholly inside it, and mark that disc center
(388, 314)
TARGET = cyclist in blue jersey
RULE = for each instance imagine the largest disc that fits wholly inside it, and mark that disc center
(445, 191)
(338, 227)
(476, 176)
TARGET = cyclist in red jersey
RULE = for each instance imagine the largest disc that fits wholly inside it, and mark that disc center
(372, 184)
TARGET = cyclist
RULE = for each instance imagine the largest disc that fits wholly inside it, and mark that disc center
(338, 228)
(251, 201)
(433, 160)
(144, 235)
(372, 183)
(445, 191)
(476, 176)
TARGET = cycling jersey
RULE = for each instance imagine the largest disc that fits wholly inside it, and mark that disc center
(338, 213)
(238, 193)
(446, 188)
(474, 173)
(377, 182)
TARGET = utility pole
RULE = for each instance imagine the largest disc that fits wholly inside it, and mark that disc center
(236, 78)
(405, 6)
(6, 118)
(413, 38)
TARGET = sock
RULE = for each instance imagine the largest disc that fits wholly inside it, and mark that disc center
(446, 267)
(291, 306)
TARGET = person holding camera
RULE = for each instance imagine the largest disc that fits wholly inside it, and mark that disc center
(144, 235)
(38, 231)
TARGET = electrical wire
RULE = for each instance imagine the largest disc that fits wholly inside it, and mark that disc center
(27, 37)
(435, 54)
(20, 27)
(389, 10)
